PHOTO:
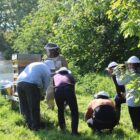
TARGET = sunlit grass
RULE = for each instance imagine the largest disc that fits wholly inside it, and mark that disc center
(12, 124)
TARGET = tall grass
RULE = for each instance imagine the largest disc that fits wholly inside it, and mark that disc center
(12, 123)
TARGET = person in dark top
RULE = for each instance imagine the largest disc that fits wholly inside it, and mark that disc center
(120, 89)
(64, 84)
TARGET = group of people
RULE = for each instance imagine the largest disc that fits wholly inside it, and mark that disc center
(53, 78)
(126, 78)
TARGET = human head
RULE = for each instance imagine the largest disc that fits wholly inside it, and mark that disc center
(133, 62)
(63, 70)
(110, 66)
(52, 50)
(102, 95)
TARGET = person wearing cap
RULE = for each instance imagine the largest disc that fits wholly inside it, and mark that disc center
(64, 84)
(130, 77)
(101, 113)
(31, 81)
(120, 89)
(54, 61)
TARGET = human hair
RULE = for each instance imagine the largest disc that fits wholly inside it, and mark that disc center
(136, 67)
(102, 97)
(63, 72)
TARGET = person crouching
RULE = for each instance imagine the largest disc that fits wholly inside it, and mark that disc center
(101, 112)
(65, 91)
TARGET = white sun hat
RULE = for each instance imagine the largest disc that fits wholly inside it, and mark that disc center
(133, 59)
(101, 93)
(63, 69)
(111, 64)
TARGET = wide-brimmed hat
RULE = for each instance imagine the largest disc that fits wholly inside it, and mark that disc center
(133, 59)
(101, 94)
(111, 64)
(63, 69)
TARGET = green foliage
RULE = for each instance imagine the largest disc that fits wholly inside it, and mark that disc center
(92, 83)
(82, 29)
(127, 13)
(12, 11)
(37, 28)
(131, 80)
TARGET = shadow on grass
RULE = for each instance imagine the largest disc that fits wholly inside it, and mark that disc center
(52, 132)
(55, 134)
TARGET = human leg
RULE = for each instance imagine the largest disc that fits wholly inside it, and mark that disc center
(59, 98)
(33, 98)
(118, 102)
(135, 117)
(24, 108)
(72, 102)
(50, 96)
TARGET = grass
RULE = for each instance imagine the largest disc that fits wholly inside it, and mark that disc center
(12, 123)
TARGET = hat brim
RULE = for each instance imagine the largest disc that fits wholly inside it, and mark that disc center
(63, 70)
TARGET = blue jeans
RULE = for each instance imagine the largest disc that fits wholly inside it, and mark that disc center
(29, 97)
(62, 94)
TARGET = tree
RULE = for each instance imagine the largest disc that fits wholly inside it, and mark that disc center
(37, 27)
(11, 13)
(126, 12)
(81, 28)
(89, 39)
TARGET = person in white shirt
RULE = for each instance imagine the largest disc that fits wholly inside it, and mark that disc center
(31, 81)
(130, 77)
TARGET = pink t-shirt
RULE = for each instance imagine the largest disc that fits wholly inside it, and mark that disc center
(63, 79)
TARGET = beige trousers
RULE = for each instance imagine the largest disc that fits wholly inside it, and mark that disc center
(50, 95)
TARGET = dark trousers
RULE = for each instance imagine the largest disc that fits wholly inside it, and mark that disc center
(104, 117)
(29, 97)
(62, 94)
(118, 102)
(135, 117)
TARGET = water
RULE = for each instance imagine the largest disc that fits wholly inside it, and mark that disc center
(6, 70)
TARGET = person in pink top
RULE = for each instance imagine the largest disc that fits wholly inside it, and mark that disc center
(64, 84)
(101, 112)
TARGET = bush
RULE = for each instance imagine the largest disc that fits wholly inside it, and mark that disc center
(92, 83)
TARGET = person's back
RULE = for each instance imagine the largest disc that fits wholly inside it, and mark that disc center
(35, 73)
(34, 78)
(64, 84)
(101, 113)
(62, 79)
